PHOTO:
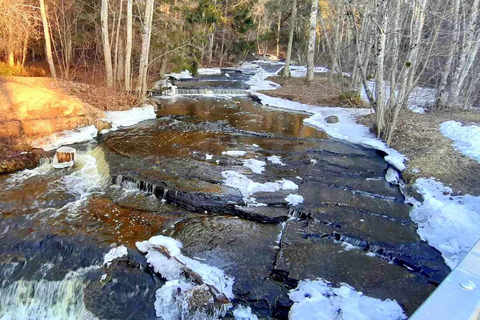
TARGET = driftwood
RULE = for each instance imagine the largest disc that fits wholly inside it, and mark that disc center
(219, 297)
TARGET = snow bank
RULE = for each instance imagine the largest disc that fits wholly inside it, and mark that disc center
(170, 302)
(114, 253)
(346, 128)
(320, 300)
(256, 166)
(209, 71)
(294, 199)
(66, 137)
(466, 138)
(449, 223)
(301, 71)
(247, 187)
(130, 117)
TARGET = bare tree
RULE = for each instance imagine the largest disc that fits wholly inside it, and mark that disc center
(286, 68)
(107, 54)
(146, 36)
(128, 53)
(48, 45)
(312, 35)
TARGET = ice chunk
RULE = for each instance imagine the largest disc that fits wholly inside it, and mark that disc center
(256, 166)
(294, 199)
(276, 160)
(115, 253)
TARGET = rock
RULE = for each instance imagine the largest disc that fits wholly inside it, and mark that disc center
(18, 161)
(332, 119)
(103, 124)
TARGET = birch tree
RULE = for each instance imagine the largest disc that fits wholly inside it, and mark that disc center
(107, 54)
(286, 68)
(48, 45)
(128, 51)
(146, 36)
(312, 35)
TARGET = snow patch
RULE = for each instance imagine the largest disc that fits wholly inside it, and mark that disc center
(244, 313)
(466, 138)
(233, 153)
(276, 160)
(294, 199)
(447, 222)
(209, 71)
(114, 253)
(66, 137)
(208, 157)
(318, 299)
(180, 75)
(256, 166)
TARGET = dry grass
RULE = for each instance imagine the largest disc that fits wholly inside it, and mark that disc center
(324, 91)
(419, 138)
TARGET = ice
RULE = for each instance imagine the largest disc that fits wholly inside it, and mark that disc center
(447, 222)
(392, 176)
(66, 137)
(208, 157)
(319, 300)
(180, 75)
(276, 160)
(294, 199)
(233, 153)
(115, 253)
(301, 71)
(244, 313)
(130, 117)
(247, 187)
(209, 71)
(256, 166)
(466, 138)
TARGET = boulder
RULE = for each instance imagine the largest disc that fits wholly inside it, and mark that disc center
(332, 119)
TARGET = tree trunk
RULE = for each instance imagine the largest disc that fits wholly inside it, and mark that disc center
(107, 54)
(222, 46)
(312, 35)
(279, 28)
(211, 39)
(121, 62)
(117, 40)
(128, 54)
(48, 45)
(286, 68)
(146, 36)
(382, 20)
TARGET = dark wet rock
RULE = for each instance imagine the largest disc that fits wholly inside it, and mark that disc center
(127, 293)
(310, 258)
(331, 119)
(265, 214)
(243, 249)
(15, 161)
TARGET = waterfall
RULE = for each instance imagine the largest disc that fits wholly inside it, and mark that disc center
(41, 299)
(210, 91)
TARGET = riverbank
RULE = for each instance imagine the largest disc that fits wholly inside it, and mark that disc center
(31, 108)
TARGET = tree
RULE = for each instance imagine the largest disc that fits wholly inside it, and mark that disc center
(107, 54)
(48, 45)
(128, 53)
(286, 68)
(312, 35)
(146, 36)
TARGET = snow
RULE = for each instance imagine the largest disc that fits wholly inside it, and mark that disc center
(114, 253)
(256, 166)
(130, 117)
(449, 223)
(66, 137)
(466, 138)
(209, 71)
(392, 176)
(319, 300)
(276, 160)
(170, 303)
(180, 75)
(294, 199)
(244, 313)
(234, 153)
(247, 187)
(208, 157)
(301, 71)
(346, 128)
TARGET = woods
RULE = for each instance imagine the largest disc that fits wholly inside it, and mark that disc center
(130, 43)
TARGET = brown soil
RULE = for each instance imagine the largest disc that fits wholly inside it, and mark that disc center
(324, 91)
(419, 138)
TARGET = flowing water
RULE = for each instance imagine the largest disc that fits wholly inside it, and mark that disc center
(176, 176)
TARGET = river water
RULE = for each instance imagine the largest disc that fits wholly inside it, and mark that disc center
(330, 215)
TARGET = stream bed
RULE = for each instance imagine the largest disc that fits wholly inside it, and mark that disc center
(250, 190)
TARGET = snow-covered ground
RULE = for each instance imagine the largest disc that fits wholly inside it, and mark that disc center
(466, 138)
(318, 299)
(447, 222)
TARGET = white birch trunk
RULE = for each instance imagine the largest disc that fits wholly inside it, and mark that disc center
(286, 68)
(107, 54)
(48, 45)
(128, 53)
(312, 35)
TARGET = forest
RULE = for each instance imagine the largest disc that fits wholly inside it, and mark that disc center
(124, 43)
